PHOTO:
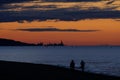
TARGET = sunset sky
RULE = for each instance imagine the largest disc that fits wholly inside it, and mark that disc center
(75, 22)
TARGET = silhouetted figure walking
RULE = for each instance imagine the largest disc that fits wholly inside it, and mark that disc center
(82, 63)
(72, 64)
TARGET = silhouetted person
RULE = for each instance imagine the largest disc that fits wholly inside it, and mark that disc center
(82, 63)
(72, 64)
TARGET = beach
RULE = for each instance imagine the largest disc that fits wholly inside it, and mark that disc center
(29, 71)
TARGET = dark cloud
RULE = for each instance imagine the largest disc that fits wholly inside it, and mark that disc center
(2, 2)
(71, 0)
(110, 2)
(12, 1)
(29, 13)
(45, 6)
(33, 7)
(59, 14)
(55, 30)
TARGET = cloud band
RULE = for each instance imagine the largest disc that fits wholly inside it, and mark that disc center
(54, 30)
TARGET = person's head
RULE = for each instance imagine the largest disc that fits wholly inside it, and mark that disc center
(72, 60)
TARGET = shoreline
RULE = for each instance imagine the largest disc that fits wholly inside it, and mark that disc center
(20, 70)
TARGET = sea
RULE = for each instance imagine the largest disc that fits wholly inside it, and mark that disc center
(98, 59)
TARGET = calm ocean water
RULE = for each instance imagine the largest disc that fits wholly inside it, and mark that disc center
(104, 60)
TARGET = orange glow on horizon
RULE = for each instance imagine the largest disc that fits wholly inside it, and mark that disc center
(108, 34)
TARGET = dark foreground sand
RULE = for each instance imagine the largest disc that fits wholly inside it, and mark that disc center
(28, 71)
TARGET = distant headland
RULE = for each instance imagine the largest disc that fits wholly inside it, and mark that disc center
(9, 42)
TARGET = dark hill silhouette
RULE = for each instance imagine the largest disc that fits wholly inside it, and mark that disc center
(8, 42)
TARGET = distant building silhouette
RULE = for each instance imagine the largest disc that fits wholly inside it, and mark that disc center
(40, 44)
(55, 44)
(61, 44)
